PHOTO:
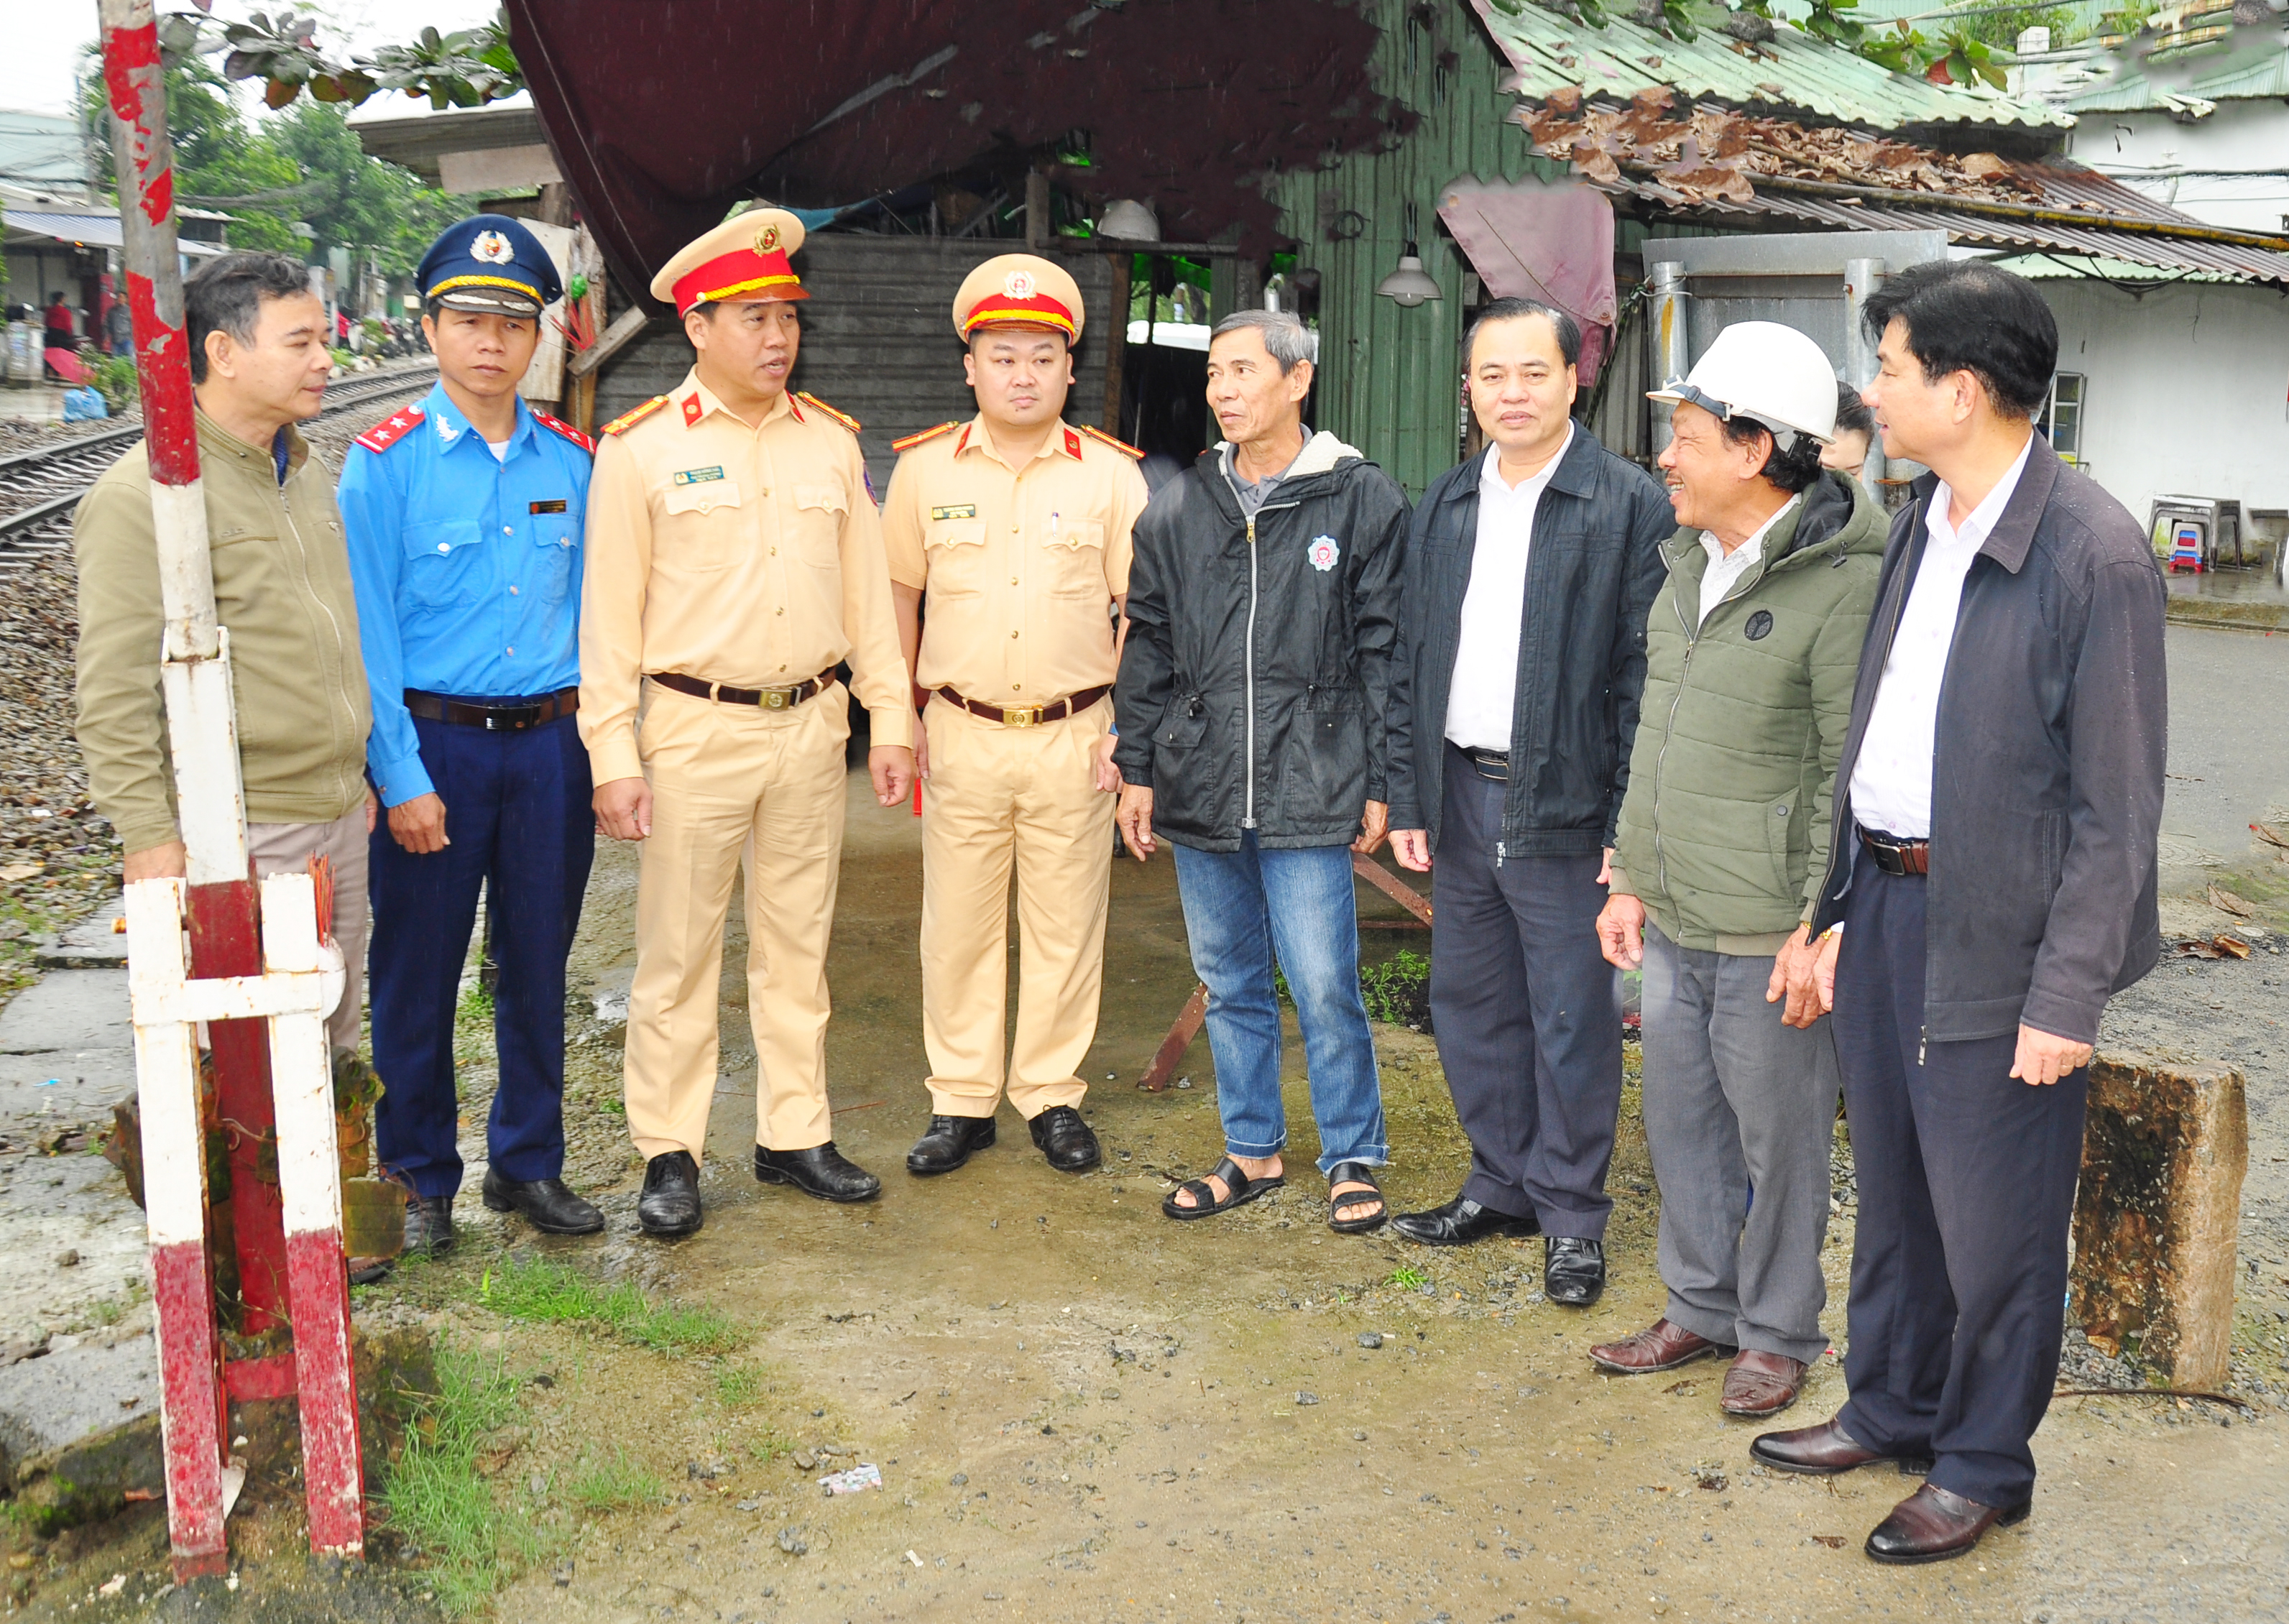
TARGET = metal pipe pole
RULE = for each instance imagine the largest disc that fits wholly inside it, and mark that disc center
(1862, 277)
(1672, 356)
(193, 1418)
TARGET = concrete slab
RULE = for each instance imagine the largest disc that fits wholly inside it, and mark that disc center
(75, 1392)
(69, 1012)
(75, 1205)
(94, 943)
(73, 1086)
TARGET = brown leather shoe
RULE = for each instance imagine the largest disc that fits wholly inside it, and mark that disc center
(1823, 1451)
(1932, 1525)
(1761, 1383)
(1660, 1346)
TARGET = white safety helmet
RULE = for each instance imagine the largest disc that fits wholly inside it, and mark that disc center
(1764, 371)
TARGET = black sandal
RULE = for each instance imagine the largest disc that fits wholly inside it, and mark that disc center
(1355, 1173)
(1239, 1191)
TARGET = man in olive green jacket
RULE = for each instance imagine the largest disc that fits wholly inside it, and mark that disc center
(1751, 652)
(282, 579)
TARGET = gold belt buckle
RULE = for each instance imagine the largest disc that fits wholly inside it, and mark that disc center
(1023, 716)
(777, 698)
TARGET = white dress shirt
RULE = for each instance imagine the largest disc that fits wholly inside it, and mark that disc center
(1891, 780)
(1485, 687)
(1725, 569)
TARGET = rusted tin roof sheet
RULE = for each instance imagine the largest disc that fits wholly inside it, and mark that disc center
(1792, 72)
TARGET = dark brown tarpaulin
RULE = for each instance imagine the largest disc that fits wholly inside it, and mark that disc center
(664, 113)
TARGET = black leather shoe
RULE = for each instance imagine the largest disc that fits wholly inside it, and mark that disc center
(669, 1206)
(428, 1226)
(1069, 1143)
(547, 1205)
(1932, 1525)
(949, 1142)
(1572, 1271)
(1461, 1222)
(821, 1171)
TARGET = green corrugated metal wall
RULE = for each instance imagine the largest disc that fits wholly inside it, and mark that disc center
(1388, 376)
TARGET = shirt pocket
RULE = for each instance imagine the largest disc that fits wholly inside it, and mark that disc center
(819, 512)
(557, 556)
(699, 527)
(955, 555)
(443, 560)
(1076, 560)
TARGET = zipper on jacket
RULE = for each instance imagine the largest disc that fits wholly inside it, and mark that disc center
(1247, 678)
(1923, 1042)
(1669, 729)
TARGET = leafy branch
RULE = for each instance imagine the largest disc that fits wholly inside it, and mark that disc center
(465, 68)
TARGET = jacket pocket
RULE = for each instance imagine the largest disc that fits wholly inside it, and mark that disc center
(820, 510)
(443, 560)
(555, 557)
(691, 536)
(1075, 557)
(1324, 776)
(1778, 822)
(954, 557)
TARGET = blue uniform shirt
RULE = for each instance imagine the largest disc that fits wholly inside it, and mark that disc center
(468, 570)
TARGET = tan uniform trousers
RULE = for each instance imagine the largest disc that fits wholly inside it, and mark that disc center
(995, 794)
(734, 785)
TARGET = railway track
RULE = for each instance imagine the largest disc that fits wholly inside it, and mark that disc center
(40, 488)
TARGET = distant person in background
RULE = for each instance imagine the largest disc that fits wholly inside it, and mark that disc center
(119, 328)
(62, 330)
(1855, 432)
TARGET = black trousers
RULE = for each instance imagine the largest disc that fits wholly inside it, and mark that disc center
(1967, 1181)
(1522, 1003)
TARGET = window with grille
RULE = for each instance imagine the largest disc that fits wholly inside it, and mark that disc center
(2062, 415)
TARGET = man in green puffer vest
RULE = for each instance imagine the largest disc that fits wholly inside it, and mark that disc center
(1752, 651)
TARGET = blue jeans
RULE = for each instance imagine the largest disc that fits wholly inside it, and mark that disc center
(1240, 909)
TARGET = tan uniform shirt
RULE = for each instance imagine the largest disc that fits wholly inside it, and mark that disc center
(1019, 563)
(747, 556)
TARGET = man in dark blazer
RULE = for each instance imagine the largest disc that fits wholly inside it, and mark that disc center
(1990, 885)
(1513, 704)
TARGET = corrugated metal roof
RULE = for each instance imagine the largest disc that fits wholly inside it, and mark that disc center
(1794, 72)
(2049, 267)
(2191, 246)
(2227, 70)
(89, 230)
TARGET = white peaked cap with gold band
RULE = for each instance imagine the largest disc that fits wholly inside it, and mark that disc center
(1018, 290)
(744, 258)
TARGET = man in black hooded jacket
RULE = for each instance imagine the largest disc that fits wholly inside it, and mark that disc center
(1263, 607)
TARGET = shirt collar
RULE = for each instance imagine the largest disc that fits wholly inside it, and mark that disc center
(452, 427)
(1980, 522)
(695, 401)
(1490, 469)
(1755, 545)
(1064, 440)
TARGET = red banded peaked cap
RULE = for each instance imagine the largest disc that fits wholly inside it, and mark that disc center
(745, 257)
(1018, 289)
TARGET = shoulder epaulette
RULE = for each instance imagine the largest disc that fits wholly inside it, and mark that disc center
(566, 429)
(925, 435)
(1121, 446)
(629, 419)
(843, 418)
(391, 429)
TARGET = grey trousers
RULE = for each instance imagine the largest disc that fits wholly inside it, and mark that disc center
(287, 849)
(1740, 1114)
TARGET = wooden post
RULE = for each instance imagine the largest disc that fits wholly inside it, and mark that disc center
(2164, 1149)
(1039, 230)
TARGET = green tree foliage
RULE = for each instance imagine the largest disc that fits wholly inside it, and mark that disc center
(304, 167)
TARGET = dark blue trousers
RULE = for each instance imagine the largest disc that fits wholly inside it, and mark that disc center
(518, 817)
(1522, 1004)
(1967, 1181)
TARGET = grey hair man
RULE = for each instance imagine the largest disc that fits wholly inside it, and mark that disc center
(1263, 607)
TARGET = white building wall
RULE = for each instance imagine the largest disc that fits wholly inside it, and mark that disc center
(2225, 168)
(2186, 391)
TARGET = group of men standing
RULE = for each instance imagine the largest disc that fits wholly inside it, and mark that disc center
(1875, 813)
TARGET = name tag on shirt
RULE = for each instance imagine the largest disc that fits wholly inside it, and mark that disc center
(554, 506)
(698, 476)
(966, 510)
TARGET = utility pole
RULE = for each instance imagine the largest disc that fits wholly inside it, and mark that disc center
(258, 970)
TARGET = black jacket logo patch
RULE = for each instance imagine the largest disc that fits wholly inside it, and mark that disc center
(1760, 624)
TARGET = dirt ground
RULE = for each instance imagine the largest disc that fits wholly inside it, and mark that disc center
(1081, 1411)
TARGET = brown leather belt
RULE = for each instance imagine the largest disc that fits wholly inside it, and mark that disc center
(1029, 715)
(763, 698)
(1894, 855)
(512, 718)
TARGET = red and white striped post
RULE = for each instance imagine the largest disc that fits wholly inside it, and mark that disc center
(255, 969)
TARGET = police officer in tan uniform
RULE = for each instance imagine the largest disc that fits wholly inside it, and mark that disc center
(1015, 528)
(734, 558)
